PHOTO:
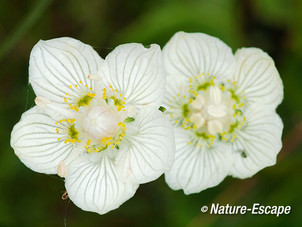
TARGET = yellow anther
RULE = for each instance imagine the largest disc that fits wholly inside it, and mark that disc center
(212, 82)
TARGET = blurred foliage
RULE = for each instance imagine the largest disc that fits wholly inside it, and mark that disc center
(31, 199)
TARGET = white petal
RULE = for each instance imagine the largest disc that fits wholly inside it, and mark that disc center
(258, 143)
(149, 147)
(94, 185)
(196, 169)
(191, 54)
(137, 72)
(257, 75)
(176, 97)
(35, 142)
(58, 63)
(176, 87)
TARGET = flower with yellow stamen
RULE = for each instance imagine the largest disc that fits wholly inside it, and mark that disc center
(96, 122)
(223, 111)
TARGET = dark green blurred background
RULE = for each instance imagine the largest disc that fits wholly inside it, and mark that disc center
(32, 199)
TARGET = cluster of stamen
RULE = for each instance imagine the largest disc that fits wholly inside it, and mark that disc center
(67, 128)
(209, 111)
(83, 96)
(113, 95)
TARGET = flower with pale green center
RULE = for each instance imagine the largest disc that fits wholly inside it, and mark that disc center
(96, 122)
(222, 107)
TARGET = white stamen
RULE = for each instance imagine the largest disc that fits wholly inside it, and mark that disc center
(217, 111)
(197, 119)
(62, 169)
(42, 102)
(215, 126)
(131, 110)
(215, 95)
(94, 77)
(198, 103)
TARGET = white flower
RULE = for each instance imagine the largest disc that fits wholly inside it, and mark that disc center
(97, 121)
(223, 109)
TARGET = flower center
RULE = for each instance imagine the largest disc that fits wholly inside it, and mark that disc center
(99, 119)
(209, 110)
(100, 122)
